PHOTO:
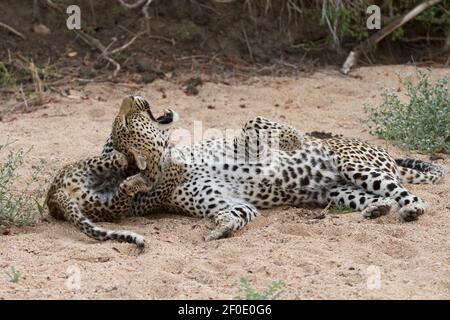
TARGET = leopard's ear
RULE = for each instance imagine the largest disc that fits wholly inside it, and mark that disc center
(125, 107)
(140, 159)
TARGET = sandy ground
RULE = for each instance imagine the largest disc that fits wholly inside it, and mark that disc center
(339, 257)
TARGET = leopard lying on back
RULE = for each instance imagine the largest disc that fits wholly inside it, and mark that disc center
(229, 180)
(101, 188)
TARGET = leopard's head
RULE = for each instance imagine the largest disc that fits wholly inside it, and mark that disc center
(141, 136)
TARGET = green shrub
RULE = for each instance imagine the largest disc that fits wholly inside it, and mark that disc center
(421, 124)
(18, 207)
(6, 78)
(340, 208)
(272, 292)
(13, 275)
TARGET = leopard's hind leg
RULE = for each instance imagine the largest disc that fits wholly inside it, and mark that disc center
(260, 133)
(379, 182)
(370, 205)
(69, 208)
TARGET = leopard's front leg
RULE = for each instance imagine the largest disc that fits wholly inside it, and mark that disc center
(231, 219)
(122, 201)
(211, 198)
(117, 201)
(160, 195)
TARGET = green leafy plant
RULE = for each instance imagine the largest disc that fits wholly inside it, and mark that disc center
(117, 9)
(340, 208)
(13, 275)
(273, 291)
(6, 78)
(422, 123)
(87, 28)
(19, 207)
(398, 34)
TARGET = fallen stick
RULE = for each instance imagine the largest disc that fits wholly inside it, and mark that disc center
(12, 30)
(249, 47)
(131, 5)
(38, 84)
(23, 96)
(370, 42)
(126, 45)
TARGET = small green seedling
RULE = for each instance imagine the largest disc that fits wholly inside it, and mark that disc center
(13, 275)
(273, 291)
(340, 208)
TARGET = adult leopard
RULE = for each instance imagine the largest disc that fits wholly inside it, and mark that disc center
(271, 164)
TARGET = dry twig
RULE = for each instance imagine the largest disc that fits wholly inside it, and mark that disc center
(12, 30)
(23, 97)
(370, 42)
(38, 84)
(250, 51)
(126, 45)
(131, 5)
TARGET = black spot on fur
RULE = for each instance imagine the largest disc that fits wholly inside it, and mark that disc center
(304, 181)
(376, 185)
(391, 186)
(375, 174)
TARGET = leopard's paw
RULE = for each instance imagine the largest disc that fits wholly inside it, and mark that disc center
(380, 208)
(136, 183)
(412, 211)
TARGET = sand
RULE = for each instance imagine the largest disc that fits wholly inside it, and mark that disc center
(339, 257)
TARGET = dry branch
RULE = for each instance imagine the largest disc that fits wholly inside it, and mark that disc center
(38, 84)
(131, 5)
(12, 30)
(370, 42)
(126, 45)
(249, 47)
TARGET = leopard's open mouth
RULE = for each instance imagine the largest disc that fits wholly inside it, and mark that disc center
(168, 117)
(137, 103)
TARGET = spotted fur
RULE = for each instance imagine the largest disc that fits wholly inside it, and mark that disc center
(229, 180)
(102, 188)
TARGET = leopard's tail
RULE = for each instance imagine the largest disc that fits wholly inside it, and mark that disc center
(62, 206)
(418, 171)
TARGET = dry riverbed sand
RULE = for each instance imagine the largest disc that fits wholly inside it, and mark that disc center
(338, 257)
